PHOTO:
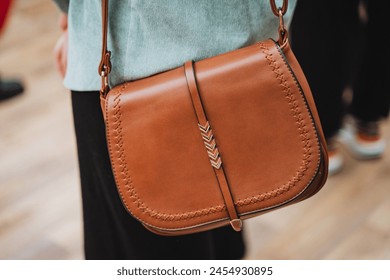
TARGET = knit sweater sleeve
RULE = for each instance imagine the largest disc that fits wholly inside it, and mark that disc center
(63, 5)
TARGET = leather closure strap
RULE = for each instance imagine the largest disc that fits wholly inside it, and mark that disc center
(211, 146)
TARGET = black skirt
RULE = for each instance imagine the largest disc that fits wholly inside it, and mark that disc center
(109, 230)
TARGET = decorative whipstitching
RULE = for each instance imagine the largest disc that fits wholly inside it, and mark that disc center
(303, 132)
(210, 144)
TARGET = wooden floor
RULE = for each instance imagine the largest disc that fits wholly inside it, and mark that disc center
(40, 207)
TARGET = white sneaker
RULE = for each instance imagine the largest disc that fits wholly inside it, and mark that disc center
(336, 159)
(336, 162)
(362, 139)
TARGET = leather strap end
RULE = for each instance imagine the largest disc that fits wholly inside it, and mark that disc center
(236, 224)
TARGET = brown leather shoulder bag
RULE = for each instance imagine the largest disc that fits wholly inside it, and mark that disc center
(216, 141)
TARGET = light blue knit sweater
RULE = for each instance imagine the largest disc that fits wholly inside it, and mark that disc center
(150, 36)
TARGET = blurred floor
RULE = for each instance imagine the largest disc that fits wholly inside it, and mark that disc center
(40, 208)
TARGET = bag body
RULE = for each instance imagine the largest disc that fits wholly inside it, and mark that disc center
(216, 141)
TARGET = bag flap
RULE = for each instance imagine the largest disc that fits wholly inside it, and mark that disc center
(263, 125)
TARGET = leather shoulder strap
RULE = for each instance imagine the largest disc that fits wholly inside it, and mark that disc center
(104, 34)
(105, 63)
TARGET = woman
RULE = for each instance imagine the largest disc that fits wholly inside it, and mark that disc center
(145, 37)
(338, 49)
(8, 88)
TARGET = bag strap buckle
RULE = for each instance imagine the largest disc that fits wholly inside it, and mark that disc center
(105, 69)
(279, 12)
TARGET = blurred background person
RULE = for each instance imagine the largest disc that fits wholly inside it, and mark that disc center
(339, 46)
(8, 87)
